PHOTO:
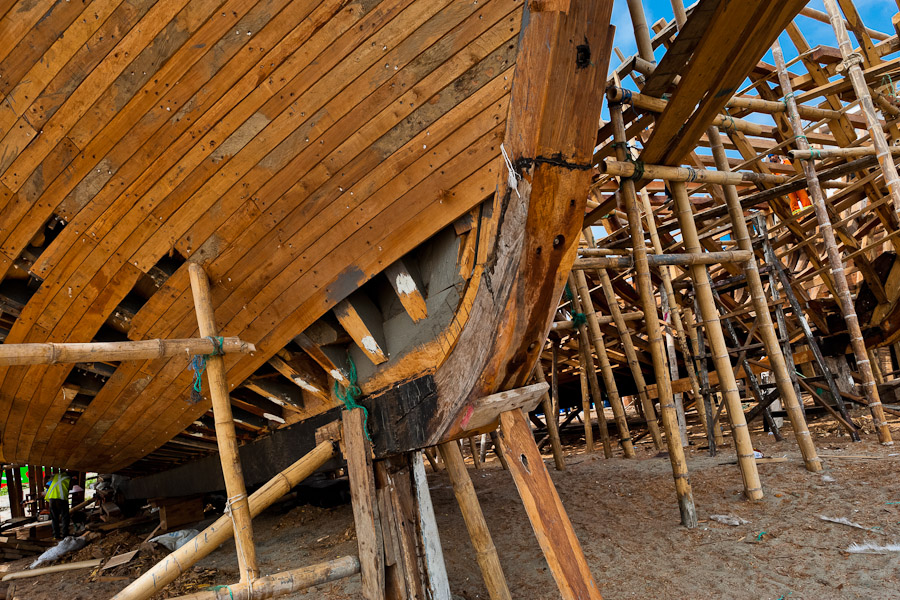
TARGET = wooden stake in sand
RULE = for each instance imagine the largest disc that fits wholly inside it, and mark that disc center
(225, 435)
(834, 256)
(651, 318)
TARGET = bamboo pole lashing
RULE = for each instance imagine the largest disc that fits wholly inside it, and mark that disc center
(670, 421)
(837, 266)
(226, 438)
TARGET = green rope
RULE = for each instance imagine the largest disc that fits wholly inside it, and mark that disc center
(350, 393)
(638, 169)
(567, 293)
(222, 587)
(198, 366)
(886, 80)
(579, 319)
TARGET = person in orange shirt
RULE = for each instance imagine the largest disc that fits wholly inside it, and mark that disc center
(800, 199)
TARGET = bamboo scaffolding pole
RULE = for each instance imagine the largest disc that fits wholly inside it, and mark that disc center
(552, 424)
(834, 256)
(821, 154)
(596, 338)
(821, 17)
(641, 31)
(660, 260)
(631, 356)
(772, 107)
(713, 431)
(637, 170)
(485, 551)
(664, 385)
(727, 383)
(569, 324)
(674, 314)
(673, 363)
(586, 359)
(586, 410)
(51, 353)
(852, 63)
(176, 563)
(766, 328)
(282, 584)
(225, 435)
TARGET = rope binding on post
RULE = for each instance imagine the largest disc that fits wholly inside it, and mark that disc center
(198, 366)
(351, 393)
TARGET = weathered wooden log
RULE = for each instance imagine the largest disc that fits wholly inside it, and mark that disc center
(485, 552)
(165, 571)
(834, 256)
(51, 353)
(628, 169)
(282, 584)
(226, 438)
(685, 259)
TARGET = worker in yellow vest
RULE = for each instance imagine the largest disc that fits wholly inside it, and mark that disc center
(57, 496)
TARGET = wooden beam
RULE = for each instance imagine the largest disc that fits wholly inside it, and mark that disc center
(408, 290)
(358, 454)
(362, 320)
(549, 520)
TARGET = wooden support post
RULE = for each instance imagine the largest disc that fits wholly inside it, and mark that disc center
(473, 448)
(485, 552)
(586, 410)
(852, 61)
(703, 292)
(34, 488)
(436, 583)
(673, 363)
(651, 318)
(760, 305)
(358, 453)
(834, 257)
(545, 510)
(176, 563)
(580, 288)
(499, 451)
(631, 356)
(14, 491)
(713, 431)
(397, 509)
(552, 427)
(225, 435)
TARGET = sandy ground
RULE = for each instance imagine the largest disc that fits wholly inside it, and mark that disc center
(625, 515)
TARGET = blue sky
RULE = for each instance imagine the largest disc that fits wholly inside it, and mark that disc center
(875, 13)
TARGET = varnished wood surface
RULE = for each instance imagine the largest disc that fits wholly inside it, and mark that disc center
(294, 148)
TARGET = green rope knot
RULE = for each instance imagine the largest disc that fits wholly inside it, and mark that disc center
(579, 319)
(198, 366)
(638, 169)
(349, 394)
(568, 293)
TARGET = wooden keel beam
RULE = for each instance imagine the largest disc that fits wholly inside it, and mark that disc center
(651, 318)
(545, 510)
(176, 563)
(358, 453)
(764, 318)
(709, 313)
(52, 354)
(834, 257)
(485, 552)
(225, 435)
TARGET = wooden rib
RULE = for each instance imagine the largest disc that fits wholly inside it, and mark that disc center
(408, 290)
(362, 320)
